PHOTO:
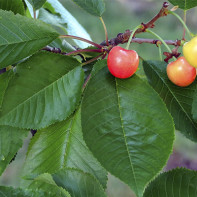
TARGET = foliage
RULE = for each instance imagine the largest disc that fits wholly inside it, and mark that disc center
(86, 121)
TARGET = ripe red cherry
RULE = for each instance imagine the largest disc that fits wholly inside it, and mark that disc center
(122, 63)
(180, 72)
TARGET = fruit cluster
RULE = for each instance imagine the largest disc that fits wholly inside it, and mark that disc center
(123, 63)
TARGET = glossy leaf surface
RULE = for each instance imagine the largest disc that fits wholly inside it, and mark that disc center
(21, 37)
(45, 89)
(15, 6)
(45, 182)
(177, 99)
(78, 183)
(73, 26)
(178, 183)
(94, 7)
(11, 139)
(127, 127)
(62, 145)
(184, 4)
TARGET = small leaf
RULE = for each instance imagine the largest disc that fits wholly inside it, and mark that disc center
(94, 7)
(15, 6)
(21, 37)
(184, 4)
(45, 89)
(62, 145)
(127, 127)
(11, 139)
(177, 99)
(37, 4)
(178, 183)
(73, 26)
(78, 183)
(45, 182)
(18, 192)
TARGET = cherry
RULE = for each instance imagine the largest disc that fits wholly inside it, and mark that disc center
(190, 51)
(180, 72)
(122, 63)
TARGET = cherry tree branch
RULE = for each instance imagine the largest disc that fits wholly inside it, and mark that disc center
(122, 38)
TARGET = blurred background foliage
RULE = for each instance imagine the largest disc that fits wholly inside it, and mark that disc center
(119, 16)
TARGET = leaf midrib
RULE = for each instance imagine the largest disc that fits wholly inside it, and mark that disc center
(121, 120)
(34, 95)
(174, 97)
(25, 41)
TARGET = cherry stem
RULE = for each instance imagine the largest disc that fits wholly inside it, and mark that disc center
(82, 39)
(84, 50)
(105, 29)
(160, 54)
(183, 23)
(132, 35)
(34, 13)
(184, 19)
(92, 60)
(163, 42)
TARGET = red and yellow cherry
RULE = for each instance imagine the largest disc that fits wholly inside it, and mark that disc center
(122, 63)
(190, 51)
(180, 72)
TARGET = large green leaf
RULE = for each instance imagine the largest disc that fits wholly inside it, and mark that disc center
(18, 192)
(62, 145)
(178, 99)
(45, 89)
(78, 183)
(176, 183)
(4, 80)
(127, 127)
(15, 6)
(184, 4)
(73, 26)
(21, 37)
(11, 139)
(45, 182)
(37, 4)
(94, 7)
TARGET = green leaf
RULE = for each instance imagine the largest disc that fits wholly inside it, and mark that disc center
(37, 4)
(73, 26)
(45, 182)
(78, 183)
(177, 99)
(4, 80)
(184, 4)
(45, 89)
(11, 139)
(21, 37)
(194, 106)
(62, 145)
(54, 20)
(127, 127)
(178, 183)
(18, 192)
(94, 7)
(15, 6)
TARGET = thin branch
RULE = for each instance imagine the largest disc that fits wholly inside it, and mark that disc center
(92, 60)
(82, 39)
(124, 37)
(84, 50)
